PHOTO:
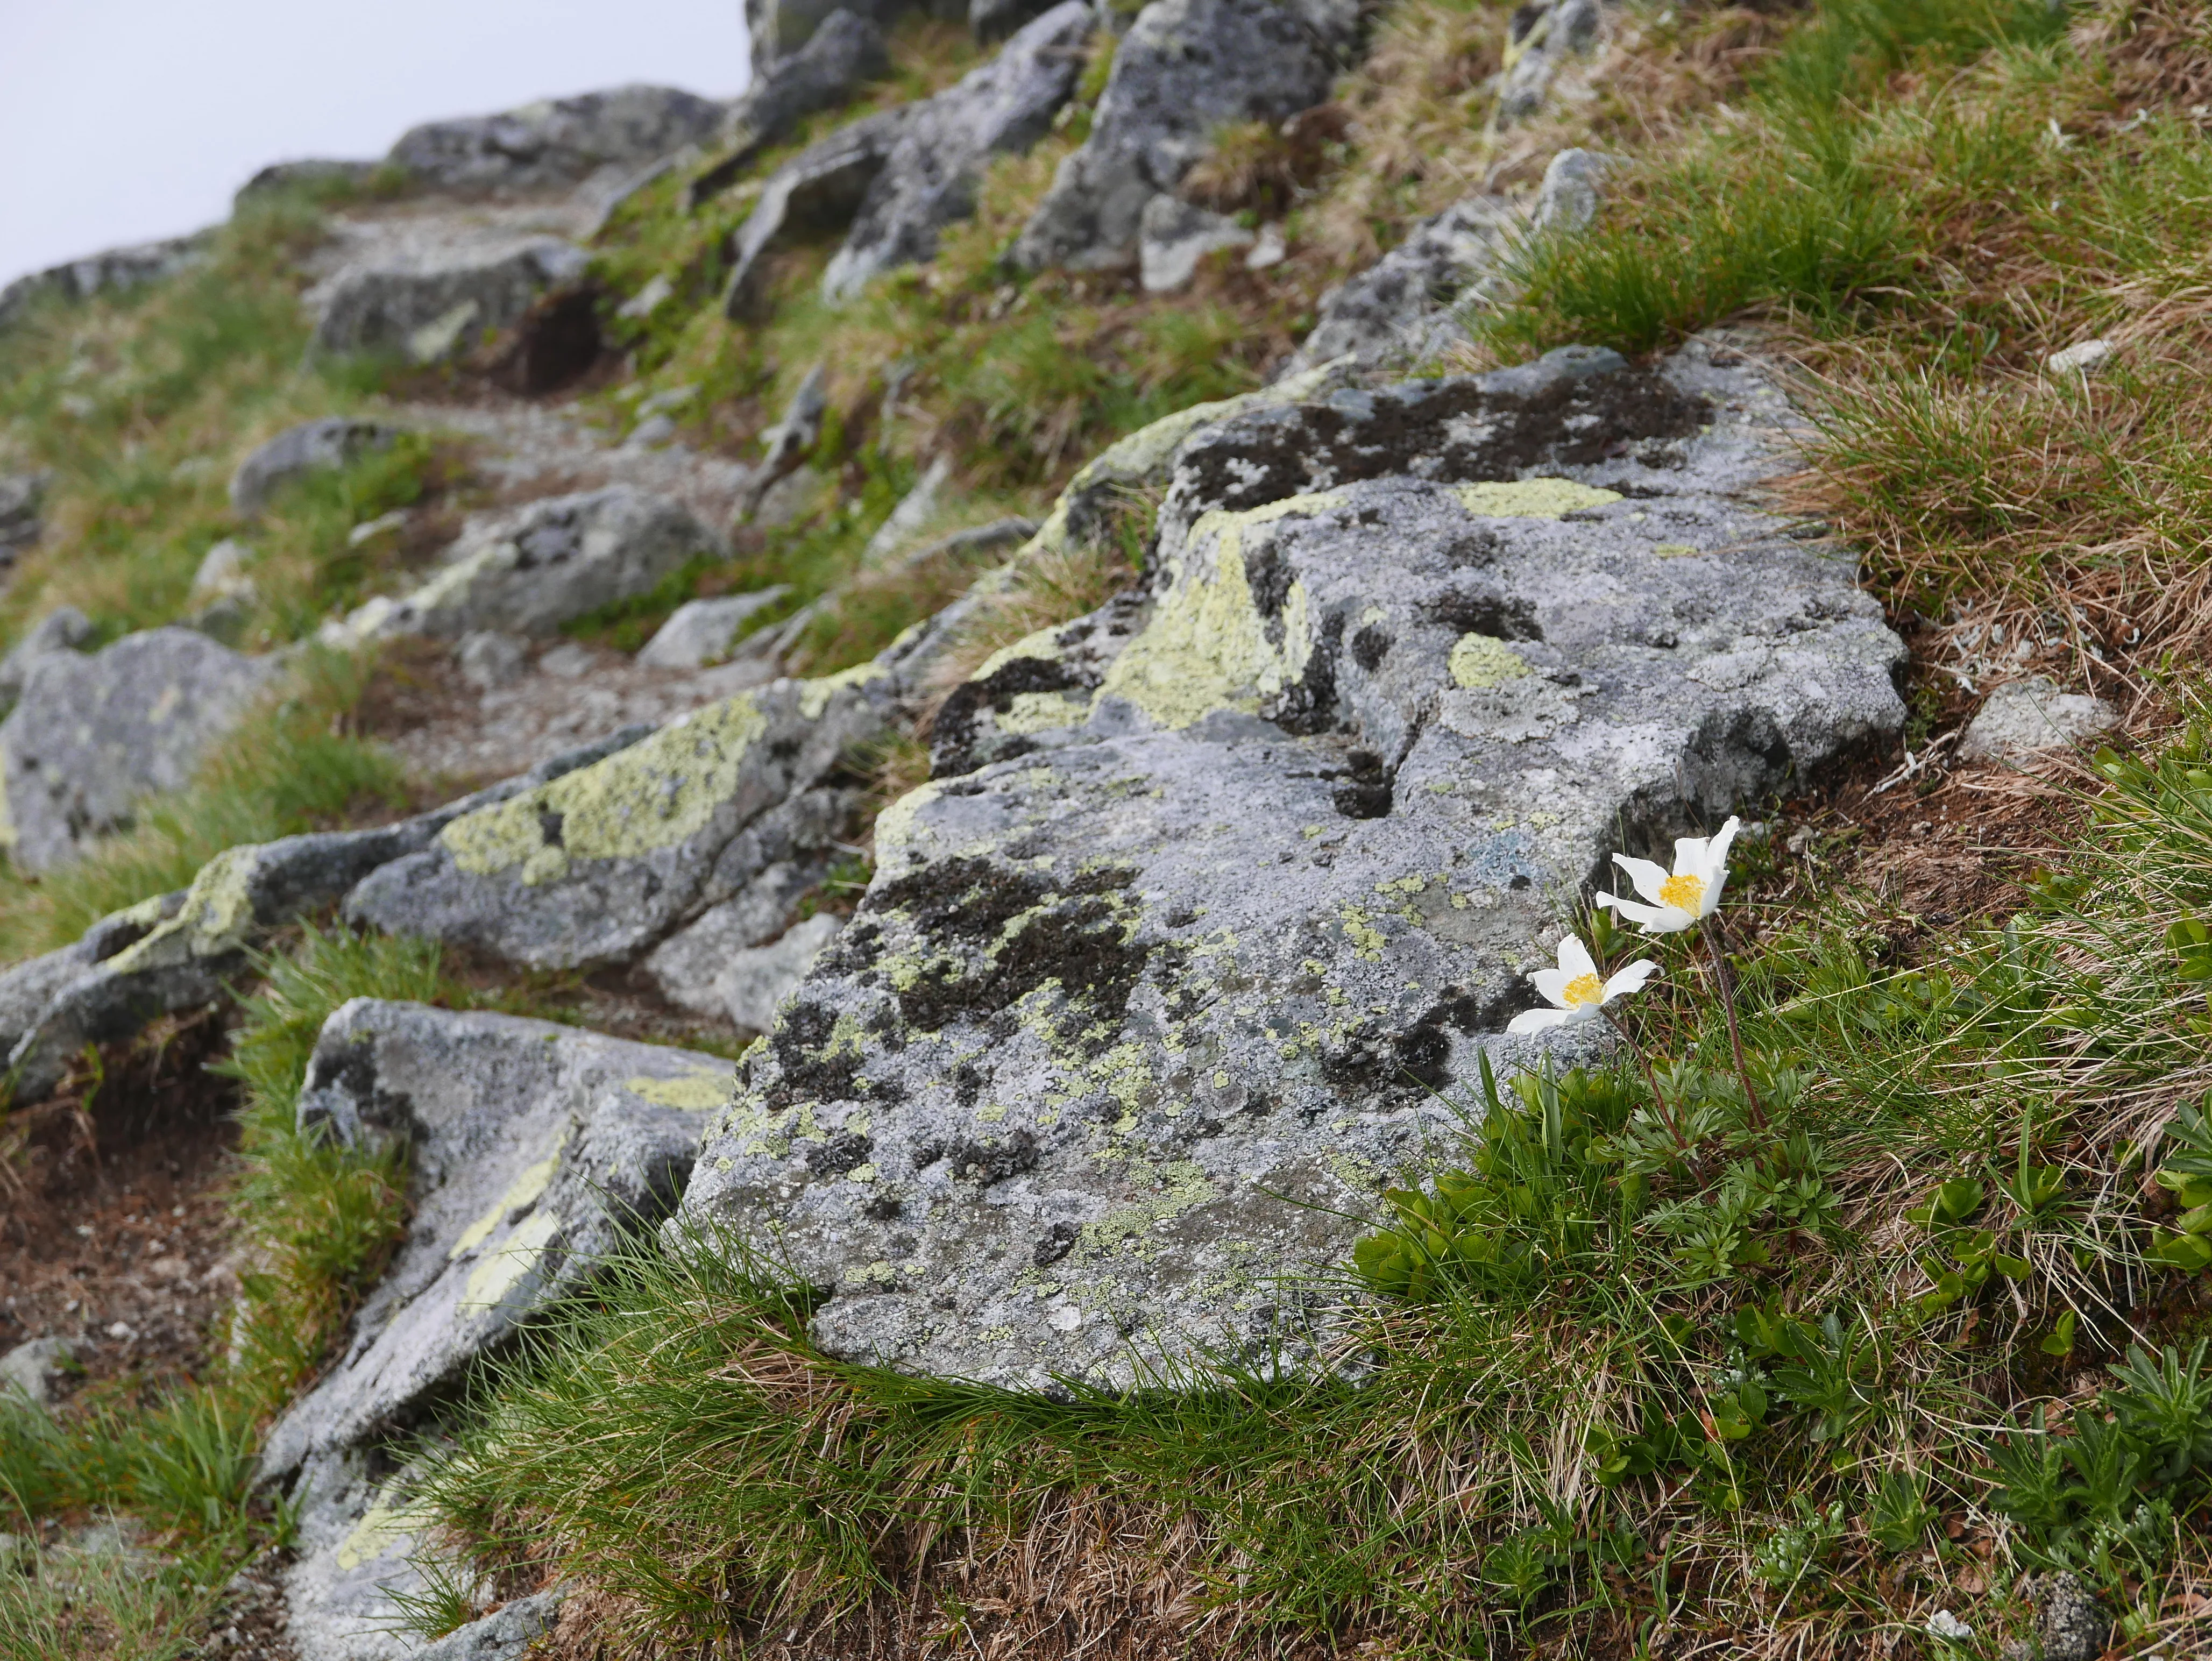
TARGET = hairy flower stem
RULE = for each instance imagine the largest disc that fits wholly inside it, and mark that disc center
(1651, 1077)
(1728, 1007)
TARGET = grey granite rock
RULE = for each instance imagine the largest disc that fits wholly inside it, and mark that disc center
(1569, 196)
(94, 734)
(434, 304)
(1136, 1018)
(1403, 310)
(845, 52)
(929, 178)
(785, 446)
(314, 446)
(529, 571)
(314, 174)
(1173, 235)
(533, 1148)
(63, 629)
(753, 983)
(686, 965)
(115, 269)
(28, 1371)
(702, 632)
(2028, 717)
(597, 866)
(822, 188)
(992, 21)
(1185, 67)
(916, 509)
(2069, 1623)
(488, 659)
(506, 1633)
(1543, 36)
(22, 502)
(555, 142)
(364, 1538)
(782, 28)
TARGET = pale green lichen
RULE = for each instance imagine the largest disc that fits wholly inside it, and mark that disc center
(1206, 647)
(215, 918)
(1532, 499)
(1185, 1186)
(523, 1190)
(1481, 661)
(388, 1522)
(814, 696)
(1041, 712)
(694, 1092)
(509, 1264)
(653, 795)
(894, 824)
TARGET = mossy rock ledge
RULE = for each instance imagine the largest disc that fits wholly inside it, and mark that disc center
(1218, 894)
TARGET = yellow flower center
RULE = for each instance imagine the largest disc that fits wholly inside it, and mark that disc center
(1686, 891)
(1582, 989)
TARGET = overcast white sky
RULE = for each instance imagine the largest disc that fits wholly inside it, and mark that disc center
(125, 120)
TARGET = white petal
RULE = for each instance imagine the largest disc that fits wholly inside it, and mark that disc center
(1552, 984)
(1575, 960)
(1689, 856)
(1631, 980)
(1655, 919)
(1647, 877)
(1536, 1020)
(1715, 869)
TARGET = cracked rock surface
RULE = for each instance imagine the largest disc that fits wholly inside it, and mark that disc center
(1156, 981)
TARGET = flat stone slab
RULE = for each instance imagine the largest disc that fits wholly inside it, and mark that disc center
(2030, 718)
(1218, 889)
(533, 1148)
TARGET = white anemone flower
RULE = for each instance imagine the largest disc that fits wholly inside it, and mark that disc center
(1687, 897)
(1575, 989)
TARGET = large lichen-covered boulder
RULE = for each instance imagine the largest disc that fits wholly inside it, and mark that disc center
(94, 734)
(929, 178)
(821, 187)
(433, 302)
(532, 1148)
(846, 51)
(1223, 885)
(1185, 69)
(596, 866)
(529, 571)
(557, 141)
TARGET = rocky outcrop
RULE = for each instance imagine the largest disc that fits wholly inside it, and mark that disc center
(1403, 309)
(529, 571)
(23, 501)
(557, 142)
(531, 1148)
(929, 178)
(1173, 235)
(1186, 68)
(92, 735)
(1540, 38)
(333, 443)
(1157, 983)
(821, 187)
(63, 629)
(846, 51)
(429, 304)
(102, 273)
(597, 866)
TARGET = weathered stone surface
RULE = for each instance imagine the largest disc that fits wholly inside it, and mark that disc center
(506, 1634)
(101, 273)
(1185, 67)
(1543, 35)
(1569, 196)
(313, 172)
(28, 1371)
(533, 1148)
(2028, 718)
(63, 629)
(845, 51)
(2082, 358)
(22, 499)
(363, 1534)
(314, 446)
(1402, 310)
(929, 178)
(529, 571)
(488, 659)
(92, 735)
(686, 965)
(1132, 1013)
(753, 985)
(431, 304)
(820, 188)
(1173, 235)
(702, 632)
(599, 865)
(178, 951)
(556, 142)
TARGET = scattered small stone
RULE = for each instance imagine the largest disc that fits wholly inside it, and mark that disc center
(2082, 358)
(1268, 250)
(222, 575)
(2068, 1623)
(650, 433)
(2028, 718)
(29, 1368)
(489, 659)
(1568, 199)
(22, 499)
(702, 632)
(648, 300)
(1944, 1624)
(334, 442)
(384, 524)
(567, 662)
(1174, 236)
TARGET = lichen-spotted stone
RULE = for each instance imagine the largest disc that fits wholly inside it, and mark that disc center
(1143, 1008)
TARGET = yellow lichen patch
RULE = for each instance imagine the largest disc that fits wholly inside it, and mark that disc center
(814, 696)
(1206, 647)
(1532, 499)
(523, 1190)
(385, 1525)
(1041, 712)
(694, 1093)
(894, 824)
(653, 795)
(1479, 661)
(216, 917)
(1186, 1186)
(1043, 646)
(507, 1267)
(1676, 550)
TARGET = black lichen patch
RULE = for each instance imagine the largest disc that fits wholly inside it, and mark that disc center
(1309, 706)
(1056, 1243)
(1371, 647)
(1375, 1064)
(987, 1163)
(1069, 932)
(843, 1152)
(807, 1071)
(1368, 790)
(1465, 429)
(1477, 611)
(953, 736)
